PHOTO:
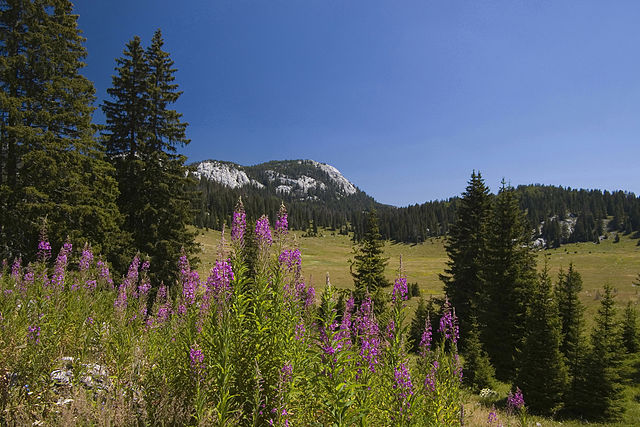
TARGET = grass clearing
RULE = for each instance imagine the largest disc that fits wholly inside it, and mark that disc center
(617, 264)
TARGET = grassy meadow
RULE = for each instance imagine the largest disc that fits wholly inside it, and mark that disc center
(617, 264)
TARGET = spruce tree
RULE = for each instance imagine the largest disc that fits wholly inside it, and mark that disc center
(369, 262)
(600, 394)
(570, 310)
(542, 374)
(509, 276)
(142, 137)
(465, 247)
(51, 166)
(630, 329)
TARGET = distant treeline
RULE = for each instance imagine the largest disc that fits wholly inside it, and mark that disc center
(557, 214)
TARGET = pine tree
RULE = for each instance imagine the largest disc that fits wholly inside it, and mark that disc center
(630, 329)
(600, 391)
(465, 247)
(542, 374)
(51, 166)
(142, 138)
(369, 262)
(509, 276)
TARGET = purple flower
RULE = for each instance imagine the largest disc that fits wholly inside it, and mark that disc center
(120, 303)
(391, 328)
(197, 358)
(282, 223)
(44, 250)
(368, 333)
(29, 277)
(493, 418)
(299, 332)
(425, 341)
(103, 272)
(57, 280)
(144, 287)
(239, 224)
(162, 293)
(33, 333)
(90, 285)
(344, 334)
(90, 320)
(286, 372)
(263, 232)
(190, 280)
(400, 290)
(291, 259)
(449, 323)
(15, 268)
(311, 297)
(515, 401)
(219, 282)
(87, 258)
(403, 386)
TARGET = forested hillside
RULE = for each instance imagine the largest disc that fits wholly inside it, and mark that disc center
(556, 214)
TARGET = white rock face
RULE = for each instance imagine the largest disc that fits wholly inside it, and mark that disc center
(302, 185)
(225, 174)
(233, 177)
(336, 177)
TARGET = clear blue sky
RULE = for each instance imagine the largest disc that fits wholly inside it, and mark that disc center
(406, 98)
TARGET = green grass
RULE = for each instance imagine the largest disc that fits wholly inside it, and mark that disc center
(617, 264)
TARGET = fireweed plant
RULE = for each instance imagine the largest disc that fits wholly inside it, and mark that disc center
(239, 347)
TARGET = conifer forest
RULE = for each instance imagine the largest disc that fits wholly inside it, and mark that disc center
(108, 317)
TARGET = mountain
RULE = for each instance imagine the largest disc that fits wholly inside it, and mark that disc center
(318, 195)
(301, 179)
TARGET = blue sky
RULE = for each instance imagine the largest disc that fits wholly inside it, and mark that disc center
(405, 98)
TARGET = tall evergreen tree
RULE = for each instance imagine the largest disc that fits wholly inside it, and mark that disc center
(570, 310)
(50, 163)
(509, 276)
(542, 374)
(142, 137)
(599, 394)
(465, 247)
(369, 262)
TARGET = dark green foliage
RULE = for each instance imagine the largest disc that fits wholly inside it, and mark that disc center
(600, 396)
(142, 136)
(570, 310)
(509, 276)
(465, 247)
(369, 262)
(414, 290)
(630, 329)
(542, 374)
(478, 371)
(50, 163)
(552, 233)
(415, 223)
